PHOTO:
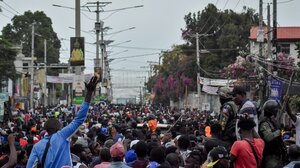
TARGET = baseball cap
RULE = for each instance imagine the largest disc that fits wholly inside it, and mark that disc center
(225, 92)
(117, 150)
(215, 155)
(238, 90)
(130, 156)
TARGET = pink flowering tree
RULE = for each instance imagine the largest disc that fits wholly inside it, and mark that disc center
(241, 68)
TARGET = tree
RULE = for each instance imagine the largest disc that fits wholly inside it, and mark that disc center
(222, 33)
(20, 32)
(7, 58)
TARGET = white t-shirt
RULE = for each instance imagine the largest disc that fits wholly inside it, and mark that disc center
(297, 127)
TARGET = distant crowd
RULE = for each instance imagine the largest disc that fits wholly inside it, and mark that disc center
(121, 136)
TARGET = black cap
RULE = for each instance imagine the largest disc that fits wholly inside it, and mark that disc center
(238, 90)
(216, 154)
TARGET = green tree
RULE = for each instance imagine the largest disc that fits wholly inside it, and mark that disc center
(7, 58)
(20, 32)
(222, 33)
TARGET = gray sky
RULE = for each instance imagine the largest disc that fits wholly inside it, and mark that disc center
(157, 24)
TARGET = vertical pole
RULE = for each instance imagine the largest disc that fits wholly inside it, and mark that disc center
(77, 18)
(260, 39)
(45, 66)
(261, 27)
(269, 56)
(275, 29)
(198, 70)
(77, 31)
(32, 68)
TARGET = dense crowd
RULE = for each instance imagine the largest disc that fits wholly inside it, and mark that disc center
(120, 136)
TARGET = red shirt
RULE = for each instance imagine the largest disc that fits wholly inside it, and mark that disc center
(244, 155)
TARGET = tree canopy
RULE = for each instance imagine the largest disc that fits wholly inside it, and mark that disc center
(20, 32)
(223, 35)
(7, 58)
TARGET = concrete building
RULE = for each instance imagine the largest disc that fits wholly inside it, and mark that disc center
(287, 37)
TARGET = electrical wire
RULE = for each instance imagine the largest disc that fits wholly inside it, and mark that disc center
(11, 7)
(8, 10)
(287, 1)
(5, 15)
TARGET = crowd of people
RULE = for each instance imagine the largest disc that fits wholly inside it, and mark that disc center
(121, 136)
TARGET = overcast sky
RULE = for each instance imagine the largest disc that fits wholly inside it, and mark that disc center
(157, 24)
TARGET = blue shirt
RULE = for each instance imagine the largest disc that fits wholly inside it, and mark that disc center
(59, 151)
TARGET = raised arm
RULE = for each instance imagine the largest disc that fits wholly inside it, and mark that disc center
(67, 131)
(13, 153)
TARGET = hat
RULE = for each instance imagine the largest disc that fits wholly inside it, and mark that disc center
(82, 129)
(130, 156)
(133, 143)
(215, 155)
(169, 144)
(238, 90)
(117, 150)
(225, 92)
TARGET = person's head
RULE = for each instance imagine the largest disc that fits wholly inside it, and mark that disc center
(130, 156)
(158, 155)
(194, 160)
(218, 158)
(173, 159)
(52, 125)
(108, 143)
(105, 155)
(246, 127)
(238, 94)
(294, 153)
(117, 152)
(216, 129)
(271, 108)
(224, 94)
(95, 148)
(83, 153)
(183, 142)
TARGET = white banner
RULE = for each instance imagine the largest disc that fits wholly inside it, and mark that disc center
(217, 82)
(57, 79)
(67, 78)
(210, 89)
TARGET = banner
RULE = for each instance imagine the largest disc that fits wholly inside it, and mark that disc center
(210, 89)
(77, 51)
(217, 82)
(57, 79)
(276, 89)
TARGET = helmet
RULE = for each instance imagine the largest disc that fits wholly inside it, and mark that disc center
(271, 107)
(225, 92)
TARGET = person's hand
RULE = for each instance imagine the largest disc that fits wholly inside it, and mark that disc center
(92, 83)
(11, 138)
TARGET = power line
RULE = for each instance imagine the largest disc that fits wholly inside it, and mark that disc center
(11, 7)
(5, 15)
(287, 1)
(133, 56)
(7, 10)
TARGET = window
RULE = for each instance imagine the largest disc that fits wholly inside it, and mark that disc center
(284, 48)
(25, 66)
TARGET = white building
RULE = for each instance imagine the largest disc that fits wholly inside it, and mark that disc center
(286, 36)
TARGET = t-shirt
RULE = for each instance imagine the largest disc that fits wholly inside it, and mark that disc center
(297, 127)
(244, 155)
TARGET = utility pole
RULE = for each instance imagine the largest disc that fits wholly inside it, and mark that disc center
(198, 71)
(275, 33)
(45, 66)
(260, 39)
(269, 55)
(77, 32)
(261, 29)
(99, 28)
(32, 69)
